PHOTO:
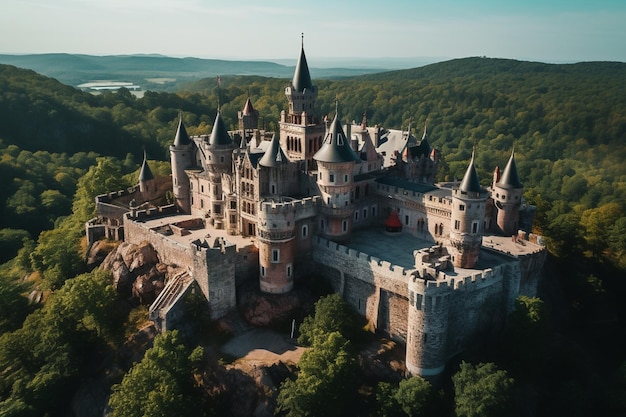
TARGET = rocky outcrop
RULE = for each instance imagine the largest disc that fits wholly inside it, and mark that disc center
(137, 271)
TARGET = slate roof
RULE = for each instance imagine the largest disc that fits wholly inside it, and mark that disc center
(145, 174)
(302, 76)
(510, 177)
(181, 138)
(470, 183)
(274, 155)
(336, 146)
(219, 135)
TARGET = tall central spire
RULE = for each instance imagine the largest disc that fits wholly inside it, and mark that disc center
(302, 76)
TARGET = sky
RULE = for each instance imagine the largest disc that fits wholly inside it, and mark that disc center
(536, 30)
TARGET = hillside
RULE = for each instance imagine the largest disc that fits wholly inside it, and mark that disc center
(155, 72)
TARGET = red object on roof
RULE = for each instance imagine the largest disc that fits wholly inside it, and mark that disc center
(393, 221)
(248, 109)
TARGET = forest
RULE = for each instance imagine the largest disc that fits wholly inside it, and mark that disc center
(59, 147)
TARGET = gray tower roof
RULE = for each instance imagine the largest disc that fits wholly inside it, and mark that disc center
(182, 138)
(336, 146)
(219, 135)
(302, 77)
(274, 155)
(510, 177)
(145, 174)
(470, 181)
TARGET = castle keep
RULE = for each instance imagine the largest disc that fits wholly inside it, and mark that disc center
(435, 266)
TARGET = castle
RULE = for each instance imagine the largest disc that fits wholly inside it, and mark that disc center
(435, 266)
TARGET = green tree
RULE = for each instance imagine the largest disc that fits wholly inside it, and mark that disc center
(13, 304)
(482, 391)
(332, 314)
(412, 395)
(326, 383)
(159, 385)
(104, 177)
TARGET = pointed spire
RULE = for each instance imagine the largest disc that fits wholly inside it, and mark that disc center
(509, 177)
(336, 146)
(425, 134)
(302, 77)
(145, 174)
(219, 135)
(182, 138)
(247, 108)
(274, 155)
(470, 181)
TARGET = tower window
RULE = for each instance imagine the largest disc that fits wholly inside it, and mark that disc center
(332, 178)
(275, 255)
(262, 271)
(305, 231)
(289, 270)
(345, 178)
(406, 219)
(475, 226)
(344, 225)
(457, 225)
(462, 207)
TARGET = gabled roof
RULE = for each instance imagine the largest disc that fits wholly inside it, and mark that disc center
(470, 181)
(182, 138)
(145, 174)
(274, 155)
(302, 77)
(219, 135)
(510, 177)
(336, 146)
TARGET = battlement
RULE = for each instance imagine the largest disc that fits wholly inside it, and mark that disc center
(219, 245)
(288, 204)
(374, 264)
(116, 195)
(151, 213)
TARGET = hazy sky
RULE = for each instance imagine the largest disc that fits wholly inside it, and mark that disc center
(543, 30)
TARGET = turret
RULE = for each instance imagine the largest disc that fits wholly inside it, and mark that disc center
(219, 153)
(335, 168)
(467, 220)
(507, 197)
(301, 131)
(182, 157)
(275, 171)
(248, 122)
(146, 178)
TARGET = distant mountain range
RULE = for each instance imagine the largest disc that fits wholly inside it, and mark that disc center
(158, 72)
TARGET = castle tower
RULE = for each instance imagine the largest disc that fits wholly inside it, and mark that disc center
(146, 178)
(276, 242)
(507, 193)
(467, 221)
(301, 130)
(182, 157)
(219, 154)
(274, 171)
(427, 328)
(335, 178)
(248, 121)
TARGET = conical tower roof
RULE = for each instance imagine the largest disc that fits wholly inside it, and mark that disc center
(145, 173)
(336, 147)
(219, 135)
(302, 76)
(470, 183)
(247, 108)
(510, 177)
(182, 138)
(274, 155)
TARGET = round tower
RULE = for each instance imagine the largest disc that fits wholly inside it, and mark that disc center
(467, 220)
(335, 178)
(219, 153)
(276, 242)
(146, 179)
(507, 197)
(427, 327)
(248, 121)
(182, 157)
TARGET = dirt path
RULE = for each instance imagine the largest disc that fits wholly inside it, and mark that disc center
(262, 347)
